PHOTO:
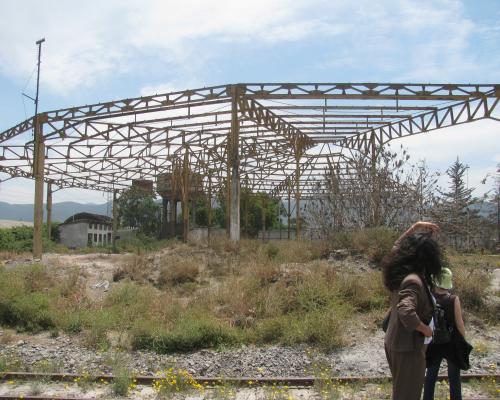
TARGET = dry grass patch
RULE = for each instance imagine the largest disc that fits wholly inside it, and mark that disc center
(136, 268)
(178, 271)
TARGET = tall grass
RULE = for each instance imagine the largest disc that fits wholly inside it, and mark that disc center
(283, 292)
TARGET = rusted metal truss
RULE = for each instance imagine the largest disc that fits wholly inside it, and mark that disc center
(289, 133)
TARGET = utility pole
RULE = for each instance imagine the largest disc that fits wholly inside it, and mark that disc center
(38, 167)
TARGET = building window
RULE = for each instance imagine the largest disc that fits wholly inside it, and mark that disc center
(90, 226)
(100, 237)
(109, 237)
(95, 237)
(89, 240)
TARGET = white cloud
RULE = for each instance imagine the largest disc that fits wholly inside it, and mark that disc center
(167, 87)
(88, 41)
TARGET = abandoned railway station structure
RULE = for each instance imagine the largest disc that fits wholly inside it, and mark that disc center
(278, 138)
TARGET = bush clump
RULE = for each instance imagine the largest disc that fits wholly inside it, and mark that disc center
(24, 302)
(178, 272)
(471, 286)
(188, 335)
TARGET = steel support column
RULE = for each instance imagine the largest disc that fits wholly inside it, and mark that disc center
(298, 154)
(185, 196)
(288, 214)
(173, 217)
(164, 218)
(234, 158)
(38, 172)
(49, 210)
(209, 204)
(115, 219)
(375, 183)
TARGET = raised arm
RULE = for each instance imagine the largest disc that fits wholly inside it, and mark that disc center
(417, 226)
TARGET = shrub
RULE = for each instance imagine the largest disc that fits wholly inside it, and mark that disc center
(321, 328)
(365, 292)
(136, 268)
(73, 323)
(188, 335)
(122, 381)
(177, 272)
(375, 243)
(270, 330)
(26, 313)
(272, 251)
(471, 286)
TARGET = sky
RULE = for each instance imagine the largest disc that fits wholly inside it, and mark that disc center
(97, 51)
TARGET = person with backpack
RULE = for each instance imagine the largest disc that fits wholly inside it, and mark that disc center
(448, 339)
(414, 263)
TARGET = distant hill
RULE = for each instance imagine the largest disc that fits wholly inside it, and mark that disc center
(60, 211)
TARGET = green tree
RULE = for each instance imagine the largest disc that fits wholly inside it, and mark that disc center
(455, 211)
(141, 211)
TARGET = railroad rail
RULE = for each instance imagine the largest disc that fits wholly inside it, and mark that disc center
(292, 382)
(213, 381)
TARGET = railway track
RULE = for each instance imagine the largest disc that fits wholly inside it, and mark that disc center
(292, 382)
(212, 381)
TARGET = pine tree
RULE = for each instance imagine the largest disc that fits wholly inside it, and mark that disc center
(455, 213)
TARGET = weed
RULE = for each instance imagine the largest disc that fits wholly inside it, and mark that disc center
(35, 388)
(136, 268)
(47, 366)
(375, 243)
(322, 328)
(173, 381)
(278, 392)
(471, 285)
(177, 272)
(188, 335)
(123, 381)
(84, 381)
(481, 347)
(272, 251)
(365, 292)
(11, 364)
(222, 391)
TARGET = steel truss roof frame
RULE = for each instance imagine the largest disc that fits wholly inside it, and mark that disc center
(289, 133)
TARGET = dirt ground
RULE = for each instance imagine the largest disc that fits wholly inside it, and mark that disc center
(363, 356)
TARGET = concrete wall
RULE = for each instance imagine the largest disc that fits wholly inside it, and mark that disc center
(275, 234)
(125, 234)
(74, 235)
(200, 234)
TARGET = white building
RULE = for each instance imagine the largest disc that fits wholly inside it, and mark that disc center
(85, 229)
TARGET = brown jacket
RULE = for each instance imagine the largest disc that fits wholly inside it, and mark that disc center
(410, 305)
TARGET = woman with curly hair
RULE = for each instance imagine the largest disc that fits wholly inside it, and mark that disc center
(408, 271)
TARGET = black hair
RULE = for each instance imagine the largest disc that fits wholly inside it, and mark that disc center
(418, 254)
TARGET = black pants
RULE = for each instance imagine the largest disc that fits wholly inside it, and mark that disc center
(453, 376)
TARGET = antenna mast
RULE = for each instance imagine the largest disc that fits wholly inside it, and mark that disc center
(39, 43)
